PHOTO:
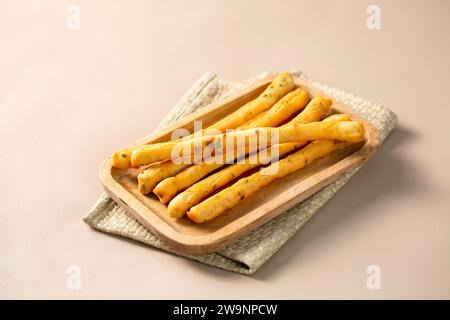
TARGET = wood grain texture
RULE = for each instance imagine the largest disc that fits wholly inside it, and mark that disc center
(190, 238)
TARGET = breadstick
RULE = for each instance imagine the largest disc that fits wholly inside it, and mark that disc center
(281, 85)
(316, 110)
(351, 131)
(282, 110)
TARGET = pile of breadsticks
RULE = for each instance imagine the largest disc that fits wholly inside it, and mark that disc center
(206, 173)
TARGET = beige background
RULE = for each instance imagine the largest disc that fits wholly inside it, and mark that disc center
(130, 63)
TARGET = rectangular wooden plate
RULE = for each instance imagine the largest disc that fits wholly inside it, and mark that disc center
(187, 237)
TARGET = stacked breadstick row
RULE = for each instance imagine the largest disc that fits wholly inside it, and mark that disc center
(280, 131)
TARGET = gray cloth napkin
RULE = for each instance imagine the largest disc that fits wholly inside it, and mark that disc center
(249, 253)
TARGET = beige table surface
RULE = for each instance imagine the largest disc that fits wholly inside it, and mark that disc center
(129, 64)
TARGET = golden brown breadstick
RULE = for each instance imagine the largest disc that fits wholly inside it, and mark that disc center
(344, 131)
(281, 111)
(229, 197)
(121, 159)
(316, 110)
(281, 85)
(150, 177)
(194, 194)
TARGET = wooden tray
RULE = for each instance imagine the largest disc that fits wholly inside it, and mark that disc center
(190, 238)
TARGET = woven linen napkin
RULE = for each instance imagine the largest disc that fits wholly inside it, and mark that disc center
(250, 252)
